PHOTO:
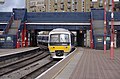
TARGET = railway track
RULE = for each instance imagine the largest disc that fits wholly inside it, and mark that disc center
(15, 57)
(21, 63)
(39, 71)
(21, 68)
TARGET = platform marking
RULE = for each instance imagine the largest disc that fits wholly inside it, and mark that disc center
(66, 72)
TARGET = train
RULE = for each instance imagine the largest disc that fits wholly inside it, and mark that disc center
(42, 41)
(60, 43)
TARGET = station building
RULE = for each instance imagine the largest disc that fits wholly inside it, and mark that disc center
(54, 5)
(66, 5)
(19, 28)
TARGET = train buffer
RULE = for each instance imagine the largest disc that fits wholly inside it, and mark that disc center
(85, 63)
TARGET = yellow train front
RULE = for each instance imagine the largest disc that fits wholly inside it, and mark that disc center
(60, 43)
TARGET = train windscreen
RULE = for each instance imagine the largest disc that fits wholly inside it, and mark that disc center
(59, 39)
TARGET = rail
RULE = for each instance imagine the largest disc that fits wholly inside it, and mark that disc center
(54, 70)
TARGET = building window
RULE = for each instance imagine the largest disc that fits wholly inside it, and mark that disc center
(69, 6)
(62, 6)
(55, 1)
(75, 1)
(55, 6)
(69, 1)
(32, 4)
(62, 1)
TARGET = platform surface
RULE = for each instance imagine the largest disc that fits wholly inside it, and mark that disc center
(92, 64)
(5, 52)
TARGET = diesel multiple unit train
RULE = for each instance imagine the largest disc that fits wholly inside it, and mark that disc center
(60, 42)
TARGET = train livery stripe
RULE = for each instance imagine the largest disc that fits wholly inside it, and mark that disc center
(64, 48)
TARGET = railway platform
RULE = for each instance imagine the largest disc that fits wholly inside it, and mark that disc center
(86, 63)
(7, 52)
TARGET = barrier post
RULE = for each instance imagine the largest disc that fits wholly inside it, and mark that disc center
(91, 34)
(105, 26)
(112, 32)
(23, 38)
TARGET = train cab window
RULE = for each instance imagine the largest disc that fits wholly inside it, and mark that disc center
(8, 38)
(54, 38)
(64, 38)
(59, 39)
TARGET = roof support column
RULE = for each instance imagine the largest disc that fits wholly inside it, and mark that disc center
(112, 32)
(105, 26)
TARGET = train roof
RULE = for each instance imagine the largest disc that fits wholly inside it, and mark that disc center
(42, 35)
(60, 30)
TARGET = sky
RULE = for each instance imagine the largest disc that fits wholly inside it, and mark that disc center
(9, 4)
